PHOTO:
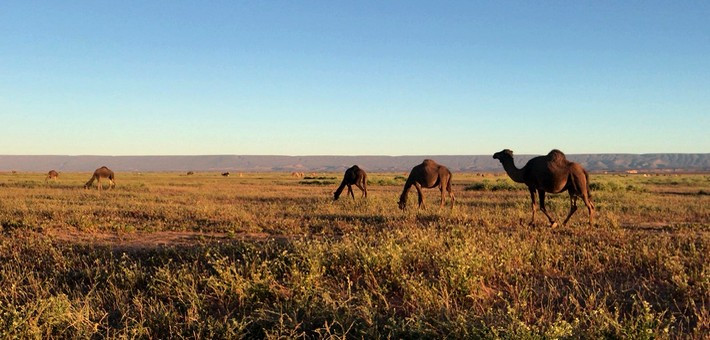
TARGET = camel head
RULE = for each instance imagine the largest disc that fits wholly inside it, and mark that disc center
(336, 195)
(503, 155)
(402, 204)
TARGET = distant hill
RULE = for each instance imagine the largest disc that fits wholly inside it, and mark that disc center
(593, 162)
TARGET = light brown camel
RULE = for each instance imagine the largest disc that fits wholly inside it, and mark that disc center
(429, 175)
(53, 175)
(353, 175)
(99, 174)
(554, 174)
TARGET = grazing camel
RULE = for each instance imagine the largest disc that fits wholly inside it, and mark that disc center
(99, 174)
(353, 175)
(190, 173)
(225, 174)
(53, 175)
(429, 175)
(554, 174)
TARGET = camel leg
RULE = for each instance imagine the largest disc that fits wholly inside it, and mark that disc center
(364, 191)
(98, 184)
(350, 191)
(112, 184)
(572, 207)
(364, 186)
(590, 207)
(443, 195)
(533, 206)
(420, 194)
(541, 193)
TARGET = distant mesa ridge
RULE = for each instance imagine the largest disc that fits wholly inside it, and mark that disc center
(473, 163)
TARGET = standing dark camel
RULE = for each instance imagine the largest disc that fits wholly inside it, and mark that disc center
(429, 175)
(554, 174)
(353, 175)
(99, 174)
(225, 174)
(53, 175)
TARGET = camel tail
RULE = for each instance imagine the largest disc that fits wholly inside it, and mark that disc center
(448, 183)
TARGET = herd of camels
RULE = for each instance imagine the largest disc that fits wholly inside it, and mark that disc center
(551, 173)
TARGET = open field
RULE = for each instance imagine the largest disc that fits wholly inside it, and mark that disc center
(270, 255)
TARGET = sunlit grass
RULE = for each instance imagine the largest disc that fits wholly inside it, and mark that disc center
(360, 268)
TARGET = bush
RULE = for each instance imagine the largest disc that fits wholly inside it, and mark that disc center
(498, 185)
(397, 180)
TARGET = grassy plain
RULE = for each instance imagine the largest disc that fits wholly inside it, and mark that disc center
(269, 255)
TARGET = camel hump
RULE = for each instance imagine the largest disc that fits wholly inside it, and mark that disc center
(429, 162)
(556, 156)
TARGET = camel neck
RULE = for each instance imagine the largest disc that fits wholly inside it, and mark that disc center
(407, 186)
(514, 173)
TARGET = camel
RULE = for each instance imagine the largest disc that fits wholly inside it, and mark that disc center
(225, 174)
(53, 175)
(353, 175)
(99, 174)
(190, 173)
(554, 174)
(429, 175)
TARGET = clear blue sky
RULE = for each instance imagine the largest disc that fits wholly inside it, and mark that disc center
(353, 77)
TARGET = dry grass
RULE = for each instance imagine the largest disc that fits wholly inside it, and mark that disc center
(167, 255)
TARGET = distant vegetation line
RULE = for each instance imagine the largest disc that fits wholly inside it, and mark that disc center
(592, 162)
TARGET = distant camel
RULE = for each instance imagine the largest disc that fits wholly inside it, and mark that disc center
(298, 174)
(225, 174)
(429, 175)
(53, 175)
(189, 173)
(554, 174)
(99, 174)
(353, 175)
